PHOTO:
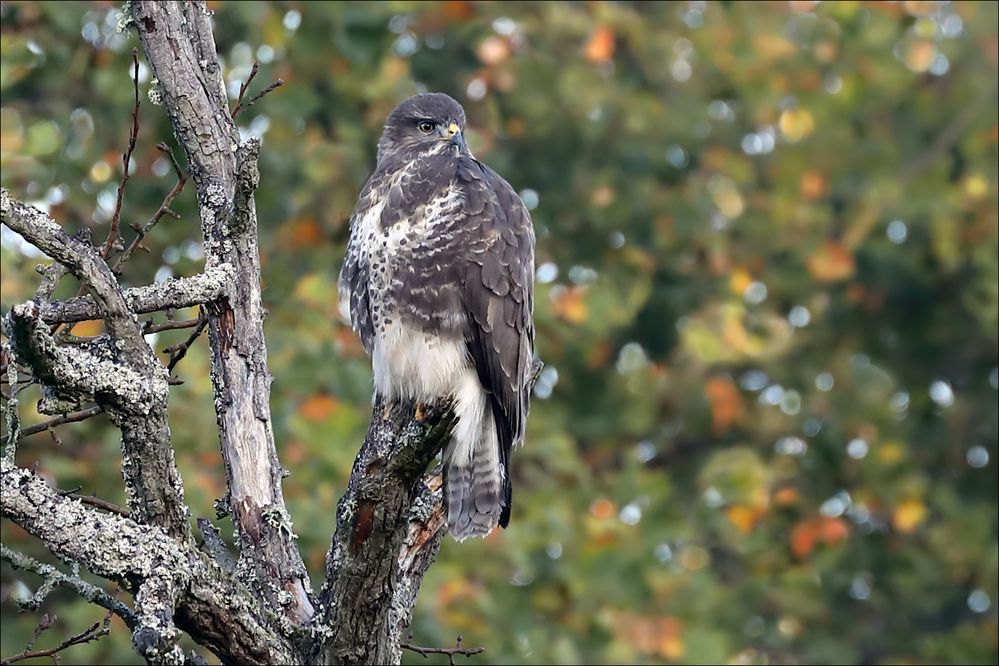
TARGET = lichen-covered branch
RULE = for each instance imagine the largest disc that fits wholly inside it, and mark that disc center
(210, 605)
(182, 292)
(54, 577)
(388, 529)
(179, 45)
(121, 374)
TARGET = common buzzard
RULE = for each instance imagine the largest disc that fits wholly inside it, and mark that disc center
(440, 280)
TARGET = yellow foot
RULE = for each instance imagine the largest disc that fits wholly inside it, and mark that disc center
(420, 414)
(387, 411)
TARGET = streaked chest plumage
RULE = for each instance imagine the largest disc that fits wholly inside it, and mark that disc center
(411, 292)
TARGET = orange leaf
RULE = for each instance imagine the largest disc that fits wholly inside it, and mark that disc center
(833, 531)
(803, 539)
(813, 185)
(726, 403)
(456, 10)
(831, 263)
(807, 533)
(744, 518)
(306, 234)
(318, 407)
(600, 48)
(570, 304)
(602, 508)
(785, 496)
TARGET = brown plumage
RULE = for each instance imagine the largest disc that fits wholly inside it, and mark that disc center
(440, 280)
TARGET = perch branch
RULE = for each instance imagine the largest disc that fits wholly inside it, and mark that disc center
(390, 509)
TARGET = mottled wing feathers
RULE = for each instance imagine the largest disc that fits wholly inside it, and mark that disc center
(498, 296)
(354, 275)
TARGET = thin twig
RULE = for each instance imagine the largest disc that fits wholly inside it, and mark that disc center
(256, 98)
(72, 417)
(54, 576)
(126, 159)
(269, 89)
(93, 633)
(178, 352)
(450, 652)
(173, 325)
(95, 501)
(242, 89)
(164, 209)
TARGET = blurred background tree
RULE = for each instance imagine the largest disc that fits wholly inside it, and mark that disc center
(767, 295)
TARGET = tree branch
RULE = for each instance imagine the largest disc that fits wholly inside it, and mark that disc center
(123, 377)
(95, 632)
(451, 653)
(53, 576)
(176, 293)
(388, 529)
(179, 45)
(213, 607)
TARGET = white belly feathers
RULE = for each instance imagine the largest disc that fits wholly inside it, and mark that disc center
(409, 363)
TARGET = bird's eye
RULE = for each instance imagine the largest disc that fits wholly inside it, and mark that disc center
(425, 126)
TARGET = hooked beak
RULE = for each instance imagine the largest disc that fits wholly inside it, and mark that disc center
(455, 136)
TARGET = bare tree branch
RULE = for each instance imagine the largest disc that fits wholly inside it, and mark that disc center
(175, 293)
(71, 417)
(114, 239)
(179, 45)
(88, 591)
(123, 377)
(210, 604)
(95, 632)
(451, 653)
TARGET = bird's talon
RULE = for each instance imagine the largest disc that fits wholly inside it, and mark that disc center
(387, 411)
(420, 414)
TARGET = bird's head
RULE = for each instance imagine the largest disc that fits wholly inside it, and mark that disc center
(423, 122)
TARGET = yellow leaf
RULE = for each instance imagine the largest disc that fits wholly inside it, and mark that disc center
(891, 452)
(909, 515)
(743, 518)
(739, 281)
(570, 304)
(796, 124)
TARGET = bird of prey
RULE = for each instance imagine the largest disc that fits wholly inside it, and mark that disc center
(439, 276)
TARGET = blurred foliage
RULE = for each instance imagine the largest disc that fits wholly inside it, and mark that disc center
(767, 297)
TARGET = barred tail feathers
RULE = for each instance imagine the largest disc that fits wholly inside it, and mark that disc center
(473, 477)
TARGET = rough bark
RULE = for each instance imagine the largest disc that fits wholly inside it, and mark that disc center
(178, 41)
(258, 607)
(388, 508)
(175, 293)
(120, 373)
(214, 609)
